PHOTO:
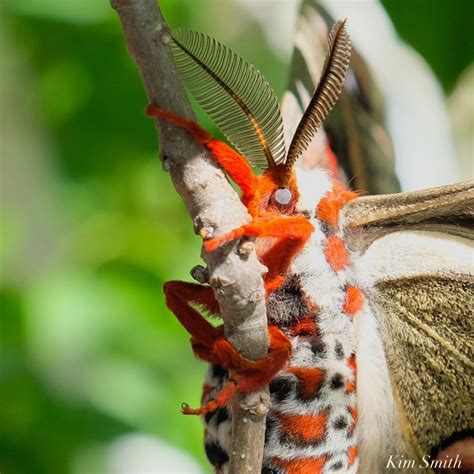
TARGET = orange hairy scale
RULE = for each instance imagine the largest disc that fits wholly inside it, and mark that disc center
(303, 466)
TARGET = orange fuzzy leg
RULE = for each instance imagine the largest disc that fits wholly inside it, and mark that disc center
(249, 375)
(260, 372)
(199, 134)
(236, 167)
(234, 164)
(278, 354)
(178, 296)
(291, 232)
(220, 400)
(204, 352)
(212, 244)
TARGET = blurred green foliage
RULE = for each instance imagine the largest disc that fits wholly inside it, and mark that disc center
(440, 30)
(91, 228)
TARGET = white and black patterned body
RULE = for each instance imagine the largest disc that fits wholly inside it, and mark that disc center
(312, 421)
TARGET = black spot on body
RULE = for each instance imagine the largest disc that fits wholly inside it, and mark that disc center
(218, 372)
(270, 470)
(222, 415)
(269, 427)
(208, 417)
(337, 382)
(287, 302)
(216, 455)
(280, 388)
(317, 345)
(323, 227)
(340, 423)
(339, 350)
(336, 466)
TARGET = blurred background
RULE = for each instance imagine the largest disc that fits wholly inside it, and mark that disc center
(93, 368)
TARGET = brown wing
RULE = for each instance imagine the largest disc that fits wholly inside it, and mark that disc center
(427, 328)
(424, 310)
(447, 209)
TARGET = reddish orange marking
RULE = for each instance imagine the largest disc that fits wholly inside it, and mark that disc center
(352, 363)
(354, 413)
(304, 326)
(330, 205)
(303, 427)
(351, 455)
(200, 135)
(350, 386)
(237, 167)
(336, 253)
(310, 380)
(302, 465)
(354, 301)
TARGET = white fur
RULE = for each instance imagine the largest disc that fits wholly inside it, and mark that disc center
(407, 254)
(378, 425)
(312, 186)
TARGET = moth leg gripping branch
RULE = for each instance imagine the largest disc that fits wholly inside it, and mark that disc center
(209, 344)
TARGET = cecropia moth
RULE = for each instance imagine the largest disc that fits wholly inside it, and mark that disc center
(368, 298)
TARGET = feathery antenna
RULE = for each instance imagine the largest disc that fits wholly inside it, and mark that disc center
(234, 94)
(326, 94)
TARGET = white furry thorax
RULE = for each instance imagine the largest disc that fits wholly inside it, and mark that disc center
(378, 428)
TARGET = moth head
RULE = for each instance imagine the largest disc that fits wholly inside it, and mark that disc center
(246, 109)
(281, 172)
(278, 190)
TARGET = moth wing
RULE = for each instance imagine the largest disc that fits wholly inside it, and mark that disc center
(419, 283)
(355, 128)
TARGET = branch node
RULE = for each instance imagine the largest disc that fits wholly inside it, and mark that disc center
(257, 296)
(166, 163)
(206, 232)
(257, 403)
(246, 248)
(200, 274)
(218, 282)
(165, 36)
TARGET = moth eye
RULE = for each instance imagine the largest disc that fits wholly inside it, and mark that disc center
(282, 196)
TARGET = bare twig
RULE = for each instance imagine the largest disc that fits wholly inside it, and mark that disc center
(214, 208)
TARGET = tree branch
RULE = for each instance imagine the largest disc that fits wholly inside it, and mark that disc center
(215, 208)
